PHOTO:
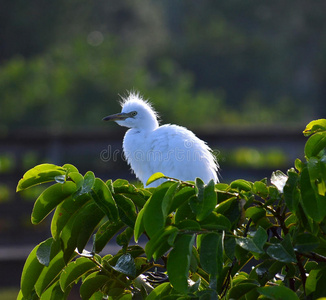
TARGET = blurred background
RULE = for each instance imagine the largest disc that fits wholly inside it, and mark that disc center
(246, 76)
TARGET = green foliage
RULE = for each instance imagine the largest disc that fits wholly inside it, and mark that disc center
(244, 240)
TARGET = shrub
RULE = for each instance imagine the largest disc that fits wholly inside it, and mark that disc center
(243, 240)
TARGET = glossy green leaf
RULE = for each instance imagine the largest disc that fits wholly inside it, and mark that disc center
(54, 292)
(75, 270)
(211, 253)
(103, 198)
(231, 209)
(168, 198)
(315, 207)
(155, 177)
(216, 221)
(32, 266)
(126, 265)
(315, 126)
(50, 198)
(317, 174)
(79, 229)
(181, 197)
(255, 213)
(315, 144)
(256, 243)
(179, 262)
(87, 183)
(92, 284)
(277, 292)
(139, 225)
(305, 242)
(241, 185)
(260, 189)
(47, 250)
(127, 209)
(64, 211)
(283, 251)
(40, 174)
(209, 201)
(153, 216)
(49, 274)
(159, 242)
(105, 233)
(160, 291)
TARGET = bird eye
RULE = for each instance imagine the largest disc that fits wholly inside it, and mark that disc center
(133, 113)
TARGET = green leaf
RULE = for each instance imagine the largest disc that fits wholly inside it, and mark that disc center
(216, 221)
(124, 237)
(40, 174)
(159, 242)
(168, 198)
(105, 233)
(277, 292)
(241, 185)
(47, 250)
(291, 191)
(305, 242)
(315, 144)
(283, 251)
(317, 174)
(179, 262)
(64, 211)
(75, 270)
(153, 217)
(211, 253)
(127, 209)
(54, 292)
(126, 265)
(103, 198)
(87, 184)
(256, 243)
(155, 177)
(79, 228)
(160, 291)
(315, 284)
(260, 189)
(139, 225)
(181, 197)
(315, 207)
(315, 126)
(50, 198)
(231, 209)
(92, 284)
(49, 274)
(241, 289)
(255, 213)
(209, 201)
(32, 266)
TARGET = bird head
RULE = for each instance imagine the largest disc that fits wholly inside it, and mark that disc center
(136, 113)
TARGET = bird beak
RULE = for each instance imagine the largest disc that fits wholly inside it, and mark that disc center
(116, 117)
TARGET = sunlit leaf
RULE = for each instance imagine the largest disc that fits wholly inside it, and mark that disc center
(75, 270)
(50, 198)
(92, 284)
(40, 174)
(155, 177)
(315, 126)
(315, 144)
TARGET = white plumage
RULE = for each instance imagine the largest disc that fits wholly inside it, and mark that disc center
(171, 149)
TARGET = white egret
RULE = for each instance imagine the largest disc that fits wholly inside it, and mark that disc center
(170, 149)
